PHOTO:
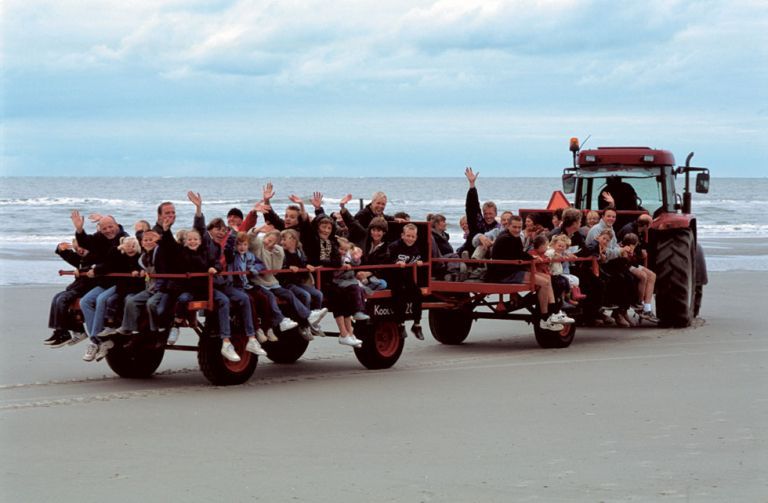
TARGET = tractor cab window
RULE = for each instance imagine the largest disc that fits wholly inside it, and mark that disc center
(634, 194)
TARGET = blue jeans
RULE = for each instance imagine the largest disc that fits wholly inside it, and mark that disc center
(94, 306)
(240, 300)
(307, 294)
(302, 311)
(157, 306)
(222, 310)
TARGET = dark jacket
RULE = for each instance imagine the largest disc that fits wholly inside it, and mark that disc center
(118, 262)
(506, 247)
(365, 216)
(211, 248)
(82, 263)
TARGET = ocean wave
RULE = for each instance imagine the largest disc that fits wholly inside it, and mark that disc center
(70, 202)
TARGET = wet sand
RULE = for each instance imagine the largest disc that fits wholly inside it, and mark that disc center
(622, 415)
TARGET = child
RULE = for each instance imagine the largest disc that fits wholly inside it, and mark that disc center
(324, 251)
(404, 251)
(346, 279)
(123, 259)
(375, 252)
(266, 248)
(301, 284)
(239, 259)
(646, 279)
(557, 250)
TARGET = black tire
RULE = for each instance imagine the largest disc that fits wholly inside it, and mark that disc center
(220, 371)
(382, 344)
(675, 288)
(138, 361)
(548, 339)
(450, 326)
(288, 348)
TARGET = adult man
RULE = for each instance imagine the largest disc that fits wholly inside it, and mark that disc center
(373, 209)
(509, 246)
(479, 220)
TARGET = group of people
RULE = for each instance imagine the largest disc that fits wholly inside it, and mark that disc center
(262, 273)
(622, 282)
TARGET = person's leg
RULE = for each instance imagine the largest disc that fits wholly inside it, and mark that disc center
(222, 311)
(650, 286)
(642, 281)
(301, 310)
(242, 304)
(543, 292)
(277, 314)
(315, 295)
(180, 313)
(157, 306)
(301, 294)
(134, 306)
(88, 307)
(101, 310)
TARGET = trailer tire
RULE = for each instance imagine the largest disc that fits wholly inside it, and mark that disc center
(450, 326)
(382, 344)
(135, 362)
(549, 339)
(287, 349)
(675, 283)
(220, 371)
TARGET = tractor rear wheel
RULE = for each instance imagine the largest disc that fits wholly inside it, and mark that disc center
(675, 288)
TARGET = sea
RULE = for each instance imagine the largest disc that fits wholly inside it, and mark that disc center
(35, 211)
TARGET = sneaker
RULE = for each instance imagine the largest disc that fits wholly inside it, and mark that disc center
(228, 352)
(287, 324)
(549, 325)
(648, 316)
(350, 340)
(173, 336)
(306, 333)
(621, 320)
(360, 316)
(77, 337)
(316, 331)
(90, 352)
(104, 348)
(271, 337)
(416, 330)
(62, 340)
(260, 336)
(108, 331)
(254, 347)
(560, 317)
(316, 315)
(57, 336)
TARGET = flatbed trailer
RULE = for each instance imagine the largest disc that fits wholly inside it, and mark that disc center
(452, 306)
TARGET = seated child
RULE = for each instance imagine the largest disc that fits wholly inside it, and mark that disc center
(405, 291)
(301, 284)
(558, 249)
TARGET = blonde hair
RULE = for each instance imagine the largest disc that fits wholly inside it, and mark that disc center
(292, 233)
(129, 243)
(180, 236)
(560, 238)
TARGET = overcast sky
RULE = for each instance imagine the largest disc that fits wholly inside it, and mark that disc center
(361, 88)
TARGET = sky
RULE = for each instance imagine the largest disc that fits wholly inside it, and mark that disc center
(372, 88)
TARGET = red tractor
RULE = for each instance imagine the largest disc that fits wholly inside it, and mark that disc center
(643, 179)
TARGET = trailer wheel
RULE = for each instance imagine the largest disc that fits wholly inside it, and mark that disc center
(450, 326)
(675, 289)
(382, 344)
(288, 348)
(139, 361)
(217, 369)
(548, 339)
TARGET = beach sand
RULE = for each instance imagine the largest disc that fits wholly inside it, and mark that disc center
(622, 415)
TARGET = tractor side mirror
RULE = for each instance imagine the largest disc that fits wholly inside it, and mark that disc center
(569, 183)
(702, 183)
